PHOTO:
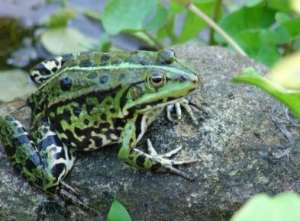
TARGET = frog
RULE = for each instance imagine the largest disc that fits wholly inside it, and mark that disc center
(90, 100)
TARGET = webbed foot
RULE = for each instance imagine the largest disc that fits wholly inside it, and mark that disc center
(165, 161)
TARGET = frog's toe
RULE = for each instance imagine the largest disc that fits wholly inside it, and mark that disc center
(153, 152)
(178, 172)
(165, 162)
(174, 113)
(71, 195)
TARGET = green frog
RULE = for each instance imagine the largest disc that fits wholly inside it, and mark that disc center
(90, 100)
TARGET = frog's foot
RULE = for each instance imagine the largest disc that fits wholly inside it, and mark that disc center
(72, 195)
(165, 161)
(176, 109)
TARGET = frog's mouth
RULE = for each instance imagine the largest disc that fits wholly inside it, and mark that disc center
(169, 95)
(157, 105)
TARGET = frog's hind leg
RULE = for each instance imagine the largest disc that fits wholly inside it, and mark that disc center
(57, 158)
(43, 162)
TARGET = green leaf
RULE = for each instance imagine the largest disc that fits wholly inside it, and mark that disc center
(291, 98)
(159, 19)
(118, 212)
(279, 5)
(250, 27)
(283, 207)
(193, 24)
(291, 26)
(247, 18)
(282, 17)
(251, 3)
(260, 44)
(66, 40)
(14, 84)
(120, 15)
(61, 18)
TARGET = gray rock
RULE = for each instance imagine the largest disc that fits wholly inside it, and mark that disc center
(241, 142)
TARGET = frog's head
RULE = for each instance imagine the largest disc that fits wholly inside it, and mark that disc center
(161, 83)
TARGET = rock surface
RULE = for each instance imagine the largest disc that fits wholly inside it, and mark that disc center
(241, 142)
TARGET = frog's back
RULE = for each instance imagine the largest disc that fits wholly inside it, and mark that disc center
(61, 77)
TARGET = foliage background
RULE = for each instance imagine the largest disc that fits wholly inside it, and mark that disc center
(267, 30)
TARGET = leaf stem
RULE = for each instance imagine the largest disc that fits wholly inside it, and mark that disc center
(190, 6)
(216, 17)
(157, 44)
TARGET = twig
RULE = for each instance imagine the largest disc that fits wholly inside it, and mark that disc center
(190, 6)
(157, 44)
(216, 16)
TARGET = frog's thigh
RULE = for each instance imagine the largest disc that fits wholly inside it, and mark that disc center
(131, 155)
(25, 155)
(57, 157)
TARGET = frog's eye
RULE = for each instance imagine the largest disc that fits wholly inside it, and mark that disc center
(157, 79)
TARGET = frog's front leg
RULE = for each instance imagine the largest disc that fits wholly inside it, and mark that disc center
(176, 109)
(148, 161)
(42, 159)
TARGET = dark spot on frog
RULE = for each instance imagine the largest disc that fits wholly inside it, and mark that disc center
(104, 59)
(116, 62)
(103, 79)
(140, 160)
(112, 110)
(67, 115)
(54, 69)
(66, 83)
(131, 158)
(103, 117)
(108, 102)
(121, 77)
(42, 69)
(76, 111)
(98, 141)
(85, 63)
(21, 140)
(89, 108)
(86, 122)
(66, 141)
(57, 169)
(92, 75)
(32, 162)
(66, 57)
(182, 78)
(45, 130)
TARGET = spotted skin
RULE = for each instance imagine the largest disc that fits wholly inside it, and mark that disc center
(40, 162)
(91, 100)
